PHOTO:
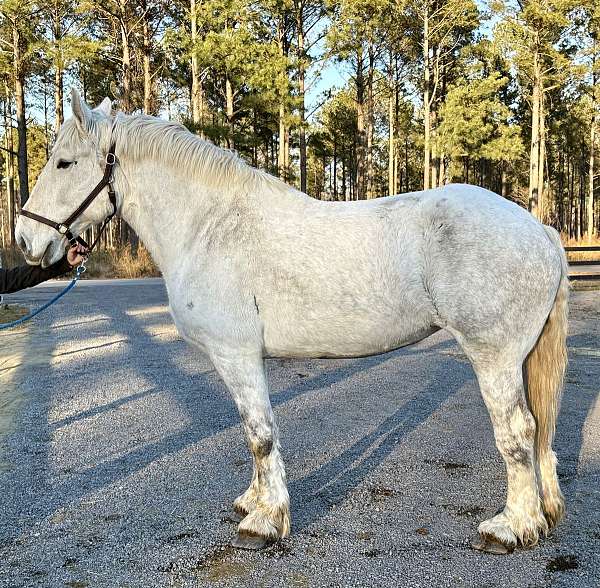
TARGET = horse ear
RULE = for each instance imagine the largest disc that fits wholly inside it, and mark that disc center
(105, 107)
(81, 111)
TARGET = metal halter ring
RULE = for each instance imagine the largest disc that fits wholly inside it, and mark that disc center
(111, 159)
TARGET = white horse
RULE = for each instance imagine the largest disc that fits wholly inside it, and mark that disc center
(256, 269)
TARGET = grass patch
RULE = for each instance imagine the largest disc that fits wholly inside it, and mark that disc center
(9, 313)
(582, 255)
(103, 263)
(121, 263)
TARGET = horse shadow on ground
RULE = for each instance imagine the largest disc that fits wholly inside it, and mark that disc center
(218, 411)
(579, 473)
(341, 469)
(217, 414)
(349, 469)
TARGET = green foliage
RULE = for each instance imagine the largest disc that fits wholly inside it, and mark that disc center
(250, 61)
(37, 154)
(538, 27)
(235, 44)
(358, 23)
(476, 124)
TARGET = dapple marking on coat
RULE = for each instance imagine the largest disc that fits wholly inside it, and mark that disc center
(255, 269)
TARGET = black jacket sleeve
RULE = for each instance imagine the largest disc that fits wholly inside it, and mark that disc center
(26, 276)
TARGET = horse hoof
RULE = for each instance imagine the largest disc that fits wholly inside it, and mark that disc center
(251, 542)
(237, 516)
(489, 545)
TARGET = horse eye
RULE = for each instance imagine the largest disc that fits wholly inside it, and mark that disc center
(62, 164)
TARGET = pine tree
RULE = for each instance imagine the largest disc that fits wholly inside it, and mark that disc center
(18, 22)
(530, 36)
(63, 43)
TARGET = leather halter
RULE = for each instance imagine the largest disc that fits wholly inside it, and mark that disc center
(64, 228)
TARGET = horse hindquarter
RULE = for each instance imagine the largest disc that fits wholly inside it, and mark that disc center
(497, 279)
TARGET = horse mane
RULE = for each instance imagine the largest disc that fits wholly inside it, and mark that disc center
(141, 136)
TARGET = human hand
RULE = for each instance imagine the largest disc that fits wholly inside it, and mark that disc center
(76, 254)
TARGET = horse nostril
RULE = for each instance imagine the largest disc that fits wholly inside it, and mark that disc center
(22, 243)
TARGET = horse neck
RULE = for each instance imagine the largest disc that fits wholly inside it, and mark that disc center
(169, 212)
(172, 210)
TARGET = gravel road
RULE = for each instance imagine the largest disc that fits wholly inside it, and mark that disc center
(120, 455)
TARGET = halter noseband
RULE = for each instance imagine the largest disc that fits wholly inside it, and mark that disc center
(64, 228)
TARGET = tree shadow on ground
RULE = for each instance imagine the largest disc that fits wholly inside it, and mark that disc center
(332, 483)
(216, 413)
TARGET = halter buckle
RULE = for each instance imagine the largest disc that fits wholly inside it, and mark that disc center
(62, 229)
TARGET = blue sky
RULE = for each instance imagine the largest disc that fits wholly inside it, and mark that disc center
(334, 76)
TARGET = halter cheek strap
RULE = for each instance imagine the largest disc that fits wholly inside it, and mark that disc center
(64, 228)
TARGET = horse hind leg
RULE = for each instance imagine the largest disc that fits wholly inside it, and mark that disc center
(522, 519)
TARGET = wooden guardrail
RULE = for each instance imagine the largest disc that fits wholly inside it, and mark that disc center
(584, 269)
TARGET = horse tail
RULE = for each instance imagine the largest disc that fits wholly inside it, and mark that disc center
(546, 365)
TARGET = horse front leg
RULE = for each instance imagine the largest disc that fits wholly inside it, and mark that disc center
(246, 502)
(265, 506)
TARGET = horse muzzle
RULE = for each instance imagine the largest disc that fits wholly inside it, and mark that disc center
(38, 248)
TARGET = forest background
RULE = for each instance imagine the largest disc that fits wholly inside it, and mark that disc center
(344, 99)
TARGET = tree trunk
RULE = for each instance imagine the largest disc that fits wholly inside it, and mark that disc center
(561, 190)
(10, 167)
(58, 75)
(283, 152)
(581, 193)
(434, 98)
(406, 164)
(370, 123)
(229, 112)
(58, 98)
(426, 104)
(590, 202)
(542, 204)
(10, 185)
(146, 51)
(286, 153)
(439, 164)
(21, 116)
(442, 170)
(434, 161)
(335, 158)
(397, 174)
(126, 98)
(301, 94)
(534, 158)
(392, 132)
(197, 93)
(360, 127)
(571, 169)
(126, 234)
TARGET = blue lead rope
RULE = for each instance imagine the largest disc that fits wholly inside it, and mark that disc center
(23, 319)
